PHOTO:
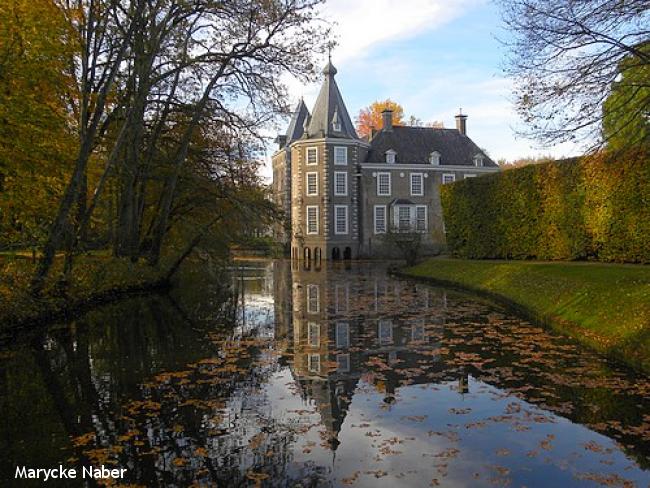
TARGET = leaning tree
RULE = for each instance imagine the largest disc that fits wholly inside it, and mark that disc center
(565, 57)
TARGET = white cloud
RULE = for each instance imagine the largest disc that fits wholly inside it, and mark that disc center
(364, 23)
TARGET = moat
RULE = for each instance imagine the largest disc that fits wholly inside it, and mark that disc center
(339, 375)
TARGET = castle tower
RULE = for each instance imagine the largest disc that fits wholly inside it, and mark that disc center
(324, 187)
(281, 161)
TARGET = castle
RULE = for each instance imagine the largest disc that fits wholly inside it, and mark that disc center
(341, 193)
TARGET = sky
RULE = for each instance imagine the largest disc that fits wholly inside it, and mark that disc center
(432, 57)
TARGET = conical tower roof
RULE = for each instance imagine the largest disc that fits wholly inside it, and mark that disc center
(330, 117)
(296, 126)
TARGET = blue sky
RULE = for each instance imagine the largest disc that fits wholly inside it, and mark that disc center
(432, 57)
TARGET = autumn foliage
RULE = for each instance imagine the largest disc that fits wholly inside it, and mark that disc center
(370, 117)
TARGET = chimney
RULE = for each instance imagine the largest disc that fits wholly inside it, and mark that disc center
(281, 140)
(373, 132)
(387, 120)
(461, 122)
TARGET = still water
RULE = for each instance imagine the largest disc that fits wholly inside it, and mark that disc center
(337, 376)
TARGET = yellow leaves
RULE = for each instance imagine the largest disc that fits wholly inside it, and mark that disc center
(84, 439)
(201, 452)
(180, 462)
(256, 441)
(257, 478)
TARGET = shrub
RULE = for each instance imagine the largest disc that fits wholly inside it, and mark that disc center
(594, 207)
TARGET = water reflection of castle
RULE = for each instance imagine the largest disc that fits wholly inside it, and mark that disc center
(340, 324)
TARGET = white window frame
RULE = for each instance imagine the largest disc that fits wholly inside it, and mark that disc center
(338, 208)
(342, 336)
(434, 158)
(313, 150)
(478, 160)
(307, 176)
(421, 192)
(453, 178)
(426, 218)
(385, 324)
(385, 219)
(391, 156)
(313, 334)
(399, 217)
(313, 363)
(412, 217)
(345, 175)
(307, 209)
(336, 126)
(343, 363)
(315, 298)
(379, 193)
(337, 161)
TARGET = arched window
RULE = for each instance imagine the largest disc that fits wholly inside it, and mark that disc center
(390, 156)
(434, 158)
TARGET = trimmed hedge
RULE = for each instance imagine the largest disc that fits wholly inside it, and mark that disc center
(595, 207)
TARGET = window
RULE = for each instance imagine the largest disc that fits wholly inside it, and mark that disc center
(340, 183)
(341, 155)
(411, 217)
(380, 219)
(342, 298)
(434, 158)
(448, 178)
(340, 219)
(336, 126)
(312, 219)
(385, 332)
(478, 160)
(313, 329)
(383, 184)
(404, 217)
(417, 187)
(470, 176)
(312, 155)
(314, 363)
(312, 184)
(417, 331)
(342, 334)
(421, 218)
(390, 156)
(343, 363)
(313, 299)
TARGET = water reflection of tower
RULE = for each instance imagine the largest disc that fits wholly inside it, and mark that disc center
(282, 294)
(344, 320)
(323, 361)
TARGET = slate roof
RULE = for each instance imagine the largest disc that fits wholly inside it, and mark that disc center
(329, 106)
(298, 117)
(414, 145)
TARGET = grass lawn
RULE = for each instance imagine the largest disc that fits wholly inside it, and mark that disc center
(606, 306)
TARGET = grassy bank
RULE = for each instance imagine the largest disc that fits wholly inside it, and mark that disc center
(97, 278)
(605, 306)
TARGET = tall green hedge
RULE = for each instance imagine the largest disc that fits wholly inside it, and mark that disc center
(595, 207)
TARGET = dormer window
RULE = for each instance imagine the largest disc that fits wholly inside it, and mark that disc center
(434, 158)
(478, 160)
(336, 124)
(390, 156)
